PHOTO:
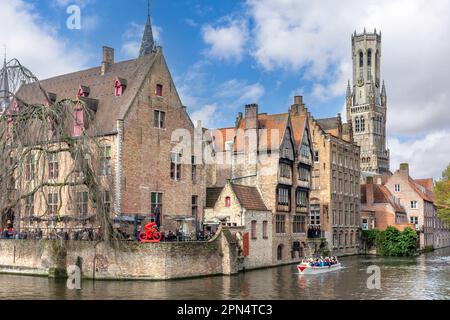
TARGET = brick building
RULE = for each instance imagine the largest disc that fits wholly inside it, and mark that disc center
(137, 118)
(380, 209)
(416, 196)
(335, 201)
(238, 205)
(272, 153)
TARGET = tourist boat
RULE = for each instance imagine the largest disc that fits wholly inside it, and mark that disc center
(306, 268)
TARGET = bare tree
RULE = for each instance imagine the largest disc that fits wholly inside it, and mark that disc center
(32, 136)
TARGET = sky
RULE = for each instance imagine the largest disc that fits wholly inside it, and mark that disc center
(224, 54)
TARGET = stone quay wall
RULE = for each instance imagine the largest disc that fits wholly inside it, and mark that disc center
(122, 260)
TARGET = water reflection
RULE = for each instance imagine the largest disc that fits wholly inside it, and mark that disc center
(424, 277)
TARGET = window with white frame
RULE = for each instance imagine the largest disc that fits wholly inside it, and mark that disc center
(397, 188)
(414, 204)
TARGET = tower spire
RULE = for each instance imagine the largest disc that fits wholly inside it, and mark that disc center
(4, 86)
(349, 90)
(148, 42)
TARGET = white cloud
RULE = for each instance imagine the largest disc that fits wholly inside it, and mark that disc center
(35, 43)
(427, 157)
(240, 92)
(226, 42)
(133, 38)
(208, 115)
(313, 37)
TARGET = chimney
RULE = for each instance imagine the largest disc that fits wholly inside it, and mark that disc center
(108, 59)
(251, 116)
(369, 191)
(298, 105)
(404, 169)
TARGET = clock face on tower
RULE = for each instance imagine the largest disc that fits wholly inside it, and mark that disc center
(360, 82)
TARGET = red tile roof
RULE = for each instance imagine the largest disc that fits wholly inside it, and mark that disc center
(421, 190)
(381, 194)
(249, 197)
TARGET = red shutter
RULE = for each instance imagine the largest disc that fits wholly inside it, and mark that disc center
(78, 123)
(246, 241)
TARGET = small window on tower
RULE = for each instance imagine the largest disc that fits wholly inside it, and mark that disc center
(159, 90)
(361, 59)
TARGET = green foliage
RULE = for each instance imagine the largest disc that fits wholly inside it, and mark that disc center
(391, 242)
(442, 194)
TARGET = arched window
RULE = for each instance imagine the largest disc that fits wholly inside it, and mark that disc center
(227, 202)
(357, 124)
(361, 59)
(363, 124)
(280, 252)
(369, 57)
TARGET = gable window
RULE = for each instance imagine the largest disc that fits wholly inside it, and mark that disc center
(285, 170)
(414, 204)
(280, 223)
(397, 188)
(299, 224)
(119, 87)
(302, 198)
(159, 90)
(304, 174)
(78, 123)
(105, 161)
(227, 202)
(53, 166)
(283, 198)
(265, 229)
(82, 204)
(159, 119)
(29, 168)
(175, 166)
(253, 230)
(305, 150)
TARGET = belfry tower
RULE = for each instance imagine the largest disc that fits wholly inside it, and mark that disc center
(366, 102)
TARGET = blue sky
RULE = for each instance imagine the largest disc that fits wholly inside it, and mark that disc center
(224, 54)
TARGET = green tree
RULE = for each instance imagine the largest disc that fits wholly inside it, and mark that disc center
(442, 194)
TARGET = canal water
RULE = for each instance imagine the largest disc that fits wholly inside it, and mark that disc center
(423, 277)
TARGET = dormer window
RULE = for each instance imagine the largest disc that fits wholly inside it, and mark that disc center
(159, 90)
(83, 91)
(119, 87)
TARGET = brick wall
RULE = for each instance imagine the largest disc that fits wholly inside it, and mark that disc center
(129, 260)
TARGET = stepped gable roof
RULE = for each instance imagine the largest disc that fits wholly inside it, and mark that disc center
(298, 126)
(110, 108)
(249, 197)
(219, 137)
(212, 194)
(271, 130)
